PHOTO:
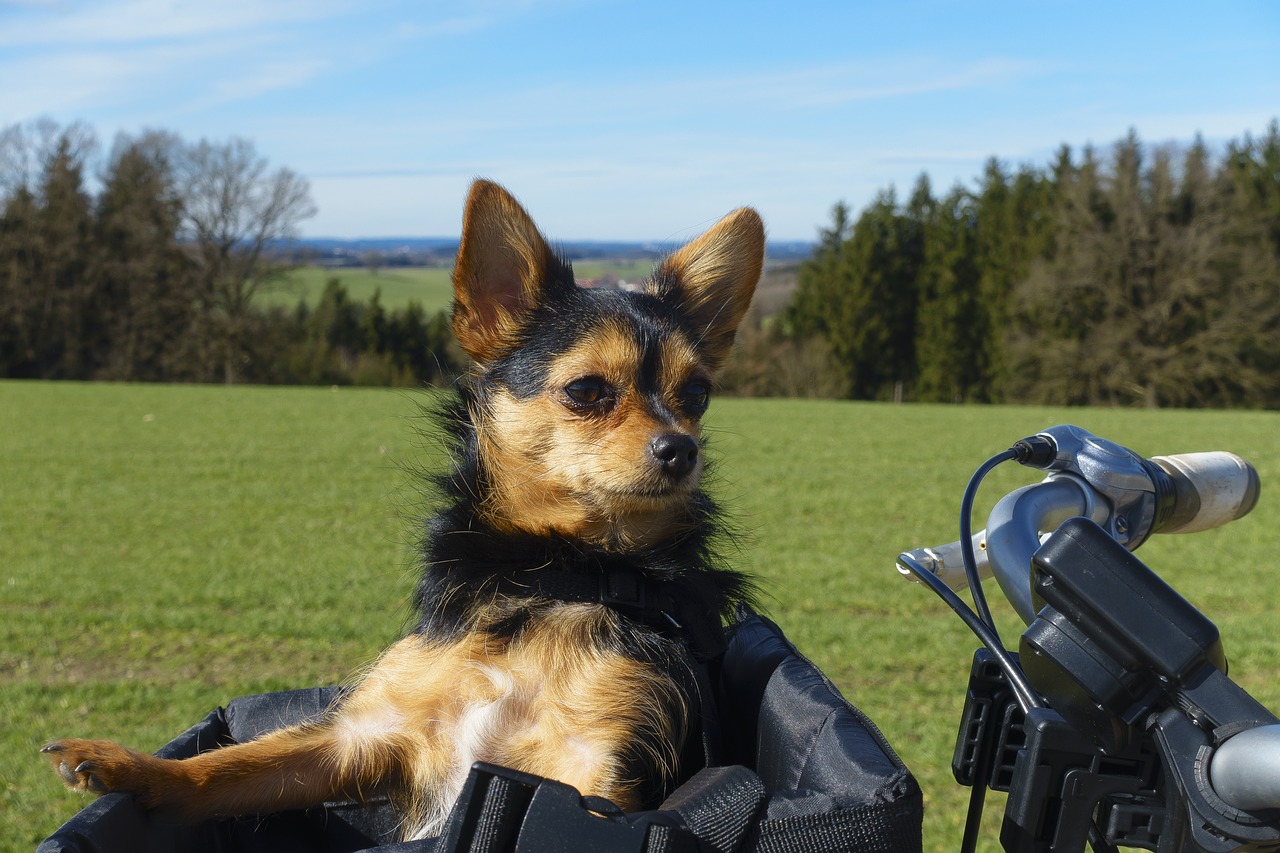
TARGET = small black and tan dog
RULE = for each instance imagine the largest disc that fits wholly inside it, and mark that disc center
(570, 583)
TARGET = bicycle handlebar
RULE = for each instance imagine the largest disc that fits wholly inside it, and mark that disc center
(1130, 498)
(1245, 770)
(1210, 489)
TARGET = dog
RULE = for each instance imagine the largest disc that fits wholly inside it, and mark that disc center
(571, 585)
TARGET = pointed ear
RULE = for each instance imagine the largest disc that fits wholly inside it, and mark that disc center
(503, 266)
(712, 279)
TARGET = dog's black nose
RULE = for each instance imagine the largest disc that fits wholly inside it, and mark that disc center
(677, 453)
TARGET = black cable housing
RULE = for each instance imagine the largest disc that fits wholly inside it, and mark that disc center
(966, 538)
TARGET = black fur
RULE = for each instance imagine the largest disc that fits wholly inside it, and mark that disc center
(555, 325)
(468, 565)
(465, 560)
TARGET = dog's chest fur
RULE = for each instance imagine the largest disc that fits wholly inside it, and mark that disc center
(558, 698)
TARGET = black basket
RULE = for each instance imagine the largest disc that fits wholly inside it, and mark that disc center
(803, 770)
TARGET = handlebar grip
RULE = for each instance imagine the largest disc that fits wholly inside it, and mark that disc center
(1206, 490)
(1245, 770)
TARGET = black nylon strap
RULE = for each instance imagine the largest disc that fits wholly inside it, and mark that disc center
(877, 828)
(632, 593)
(719, 805)
(498, 823)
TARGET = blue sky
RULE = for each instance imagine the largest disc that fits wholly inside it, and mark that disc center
(639, 120)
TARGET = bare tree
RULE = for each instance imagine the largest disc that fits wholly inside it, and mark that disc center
(27, 149)
(234, 208)
(47, 299)
(145, 274)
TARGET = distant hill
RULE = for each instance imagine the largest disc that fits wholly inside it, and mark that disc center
(430, 251)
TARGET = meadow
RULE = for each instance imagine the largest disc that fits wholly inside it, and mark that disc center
(398, 286)
(164, 549)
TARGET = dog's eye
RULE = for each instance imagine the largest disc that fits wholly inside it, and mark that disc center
(696, 396)
(588, 391)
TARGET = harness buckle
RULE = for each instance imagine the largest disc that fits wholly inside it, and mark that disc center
(620, 588)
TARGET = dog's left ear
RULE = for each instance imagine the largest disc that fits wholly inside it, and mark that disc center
(712, 279)
(503, 270)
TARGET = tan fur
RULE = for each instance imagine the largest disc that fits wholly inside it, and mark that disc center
(501, 261)
(557, 713)
(553, 700)
(555, 472)
(706, 273)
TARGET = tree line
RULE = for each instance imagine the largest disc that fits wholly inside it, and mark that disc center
(1142, 276)
(155, 277)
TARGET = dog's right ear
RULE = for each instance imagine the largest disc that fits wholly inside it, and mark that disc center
(712, 279)
(503, 267)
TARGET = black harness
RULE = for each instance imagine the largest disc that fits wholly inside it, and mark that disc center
(669, 608)
(674, 592)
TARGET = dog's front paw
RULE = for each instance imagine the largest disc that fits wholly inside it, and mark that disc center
(97, 766)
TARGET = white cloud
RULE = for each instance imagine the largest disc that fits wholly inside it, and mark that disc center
(93, 81)
(830, 85)
(449, 27)
(261, 78)
(141, 21)
(179, 58)
(66, 82)
(616, 145)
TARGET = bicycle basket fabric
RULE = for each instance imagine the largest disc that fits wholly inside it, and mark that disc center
(833, 781)
(801, 770)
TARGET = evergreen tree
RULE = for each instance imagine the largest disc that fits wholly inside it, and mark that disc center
(147, 279)
(66, 296)
(21, 309)
(373, 324)
(1240, 345)
(1159, 287)
(951, 323)
(1011, 230)
(878, 342)
(1054, 308)
(822, 280)
(821, 306)
(67, 265)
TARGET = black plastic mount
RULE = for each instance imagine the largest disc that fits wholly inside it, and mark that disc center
(1111, 641)
(1058, 782)
(505, 811)
(1137, 700)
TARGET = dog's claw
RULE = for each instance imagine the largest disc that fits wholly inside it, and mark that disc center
(84, 776)
(94, 766)
(68, 775)
(87, 772)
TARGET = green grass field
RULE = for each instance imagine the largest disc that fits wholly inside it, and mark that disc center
(400, 285)
(164, 549)
(429, 286)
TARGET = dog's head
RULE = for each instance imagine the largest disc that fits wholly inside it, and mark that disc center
(588, 403)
